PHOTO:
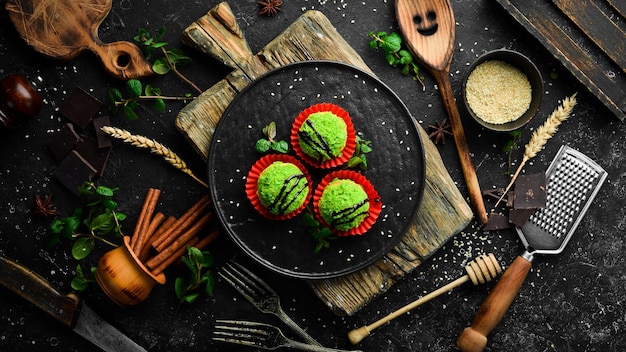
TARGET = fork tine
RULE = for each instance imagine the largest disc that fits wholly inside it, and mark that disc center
(236, 283)
(242, 333)
(251, 278)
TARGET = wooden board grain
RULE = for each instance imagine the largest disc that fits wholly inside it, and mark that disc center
(62, 29)
(443, 211)
(590, 64)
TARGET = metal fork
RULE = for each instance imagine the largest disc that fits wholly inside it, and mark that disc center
(260, 335)
(261, 295)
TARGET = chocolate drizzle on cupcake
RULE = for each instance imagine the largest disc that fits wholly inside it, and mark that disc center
(288, 194)
(316, 141)
(348, 214)
(323, 136)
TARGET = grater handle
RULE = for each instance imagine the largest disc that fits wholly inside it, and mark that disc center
(496, 304)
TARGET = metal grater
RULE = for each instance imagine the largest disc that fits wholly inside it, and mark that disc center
(572, 181)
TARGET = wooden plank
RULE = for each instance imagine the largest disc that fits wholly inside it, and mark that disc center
(443, 211)
(589, 65)
(598, 27)
(619, 6)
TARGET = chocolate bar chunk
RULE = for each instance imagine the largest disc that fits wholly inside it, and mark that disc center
(519, 217)
(104, 140)
(530, 192)
(73, 171)
(497, 222)
(95, 156)
(79, 107)
(62, 142)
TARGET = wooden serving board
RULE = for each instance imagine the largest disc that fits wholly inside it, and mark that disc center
(62, 29)
(443, 211)
(585, 37)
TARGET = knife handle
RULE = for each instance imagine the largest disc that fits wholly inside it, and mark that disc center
(494, 307)
(38, 291)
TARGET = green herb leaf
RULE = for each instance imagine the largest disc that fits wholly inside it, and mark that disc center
(102, 224)
(83, 247)
(392, 43)
(159, 105)
(134, 87)
(190, 298)
(105, 191)
(270, 131)
(81, 281)
(197, 262)
(280, 147)
(161, 66)
(129, 113)
(262, 145)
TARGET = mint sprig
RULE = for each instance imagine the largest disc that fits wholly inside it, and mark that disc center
(396, 54)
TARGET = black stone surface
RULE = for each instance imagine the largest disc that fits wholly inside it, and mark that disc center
(570, 302)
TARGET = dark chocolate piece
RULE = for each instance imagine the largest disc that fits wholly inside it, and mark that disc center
(519, 217)
(530, 192)
(104, 140)
(61, 143)
(79, 107)
(494, 193)
(510, 196)
(497, 222)
(95, 156)
(73, 171)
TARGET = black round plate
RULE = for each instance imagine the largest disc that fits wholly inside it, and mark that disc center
(395, 166)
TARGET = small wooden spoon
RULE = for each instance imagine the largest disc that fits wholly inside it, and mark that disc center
(428, 28)
(62, 29)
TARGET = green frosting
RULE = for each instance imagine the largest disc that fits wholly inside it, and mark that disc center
(282, 188)
(323, 136)
(344, 204)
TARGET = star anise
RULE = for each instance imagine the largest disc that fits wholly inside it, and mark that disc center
(439, 131)
(44, 207)
(270, 7)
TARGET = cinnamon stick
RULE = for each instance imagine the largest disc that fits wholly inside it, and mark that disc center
(143, 221)
(186, 220)
(208, 239)
(152, 228)
(160, 267)
(178, 241)
(145, 250)
(201, 244)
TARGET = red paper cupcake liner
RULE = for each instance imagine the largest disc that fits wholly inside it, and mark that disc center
(348, 150)
(376, 204)
(253, 179)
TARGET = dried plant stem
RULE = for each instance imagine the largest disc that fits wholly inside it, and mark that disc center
(541, 136)
(154, 146)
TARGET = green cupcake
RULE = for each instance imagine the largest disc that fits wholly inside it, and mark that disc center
(344, 204)
(282, 188)
(323, 136)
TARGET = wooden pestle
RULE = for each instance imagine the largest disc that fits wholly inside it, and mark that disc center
(479, 271)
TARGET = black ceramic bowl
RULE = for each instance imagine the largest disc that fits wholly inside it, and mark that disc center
(526, 66)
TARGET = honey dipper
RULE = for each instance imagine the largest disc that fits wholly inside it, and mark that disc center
(480, 270)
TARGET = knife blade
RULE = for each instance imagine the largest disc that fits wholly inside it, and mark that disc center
(68, 309)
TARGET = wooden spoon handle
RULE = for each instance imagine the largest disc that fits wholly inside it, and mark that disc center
(494, 307)
(471, 180)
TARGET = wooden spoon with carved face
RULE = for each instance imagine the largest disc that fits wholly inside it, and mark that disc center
(62, 29)
(428, 28)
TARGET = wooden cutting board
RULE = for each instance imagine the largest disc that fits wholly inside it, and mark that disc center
(443, 211)
(62, 29)
(585, 37)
